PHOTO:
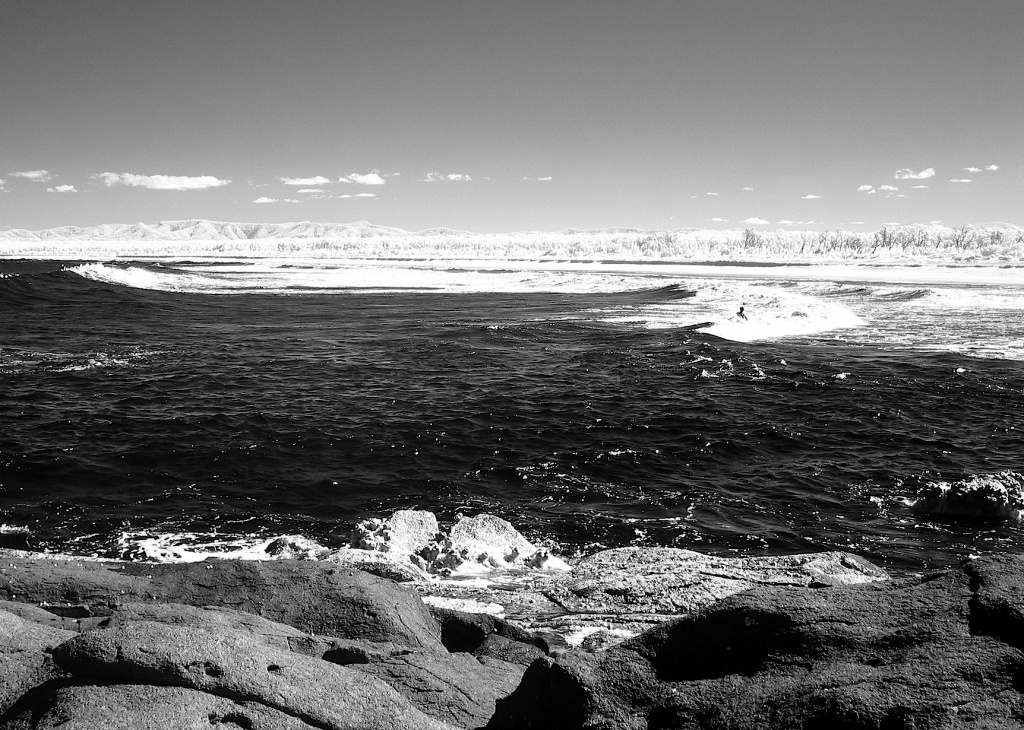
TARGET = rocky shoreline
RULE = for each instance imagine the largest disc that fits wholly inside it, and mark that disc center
(672, 639)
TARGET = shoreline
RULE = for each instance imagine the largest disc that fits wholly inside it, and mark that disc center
(294, 644)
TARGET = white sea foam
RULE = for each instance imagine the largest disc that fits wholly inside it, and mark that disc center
(408, 544)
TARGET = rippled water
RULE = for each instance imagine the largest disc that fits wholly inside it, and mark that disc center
(588, 416)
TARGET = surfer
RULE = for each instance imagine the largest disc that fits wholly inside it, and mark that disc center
(741, 315)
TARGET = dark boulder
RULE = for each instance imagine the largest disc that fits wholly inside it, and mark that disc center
(314, 597)
(880, 656)
(458, 688)
(485, 635)
(998, 605)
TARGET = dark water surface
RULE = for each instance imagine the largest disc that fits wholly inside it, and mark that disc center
(134, 411)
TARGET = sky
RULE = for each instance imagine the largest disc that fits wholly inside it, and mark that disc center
(513, 116)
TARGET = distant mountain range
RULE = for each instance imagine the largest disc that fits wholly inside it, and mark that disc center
(205, 230)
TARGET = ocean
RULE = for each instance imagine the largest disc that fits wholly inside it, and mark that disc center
(173, 409)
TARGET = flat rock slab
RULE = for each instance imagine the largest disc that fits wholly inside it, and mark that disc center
(145, 707)
(24, 656)
(232, 664)
(459, 688)
(317, 598)
(671, 581)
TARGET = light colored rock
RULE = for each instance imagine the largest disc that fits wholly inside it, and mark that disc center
(486, 542)
(404, 533)
(671, 581)
(985, 497)
(24, 661)
(144, 707)
(232, 664)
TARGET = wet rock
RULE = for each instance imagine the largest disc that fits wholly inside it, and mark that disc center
(231, 664)
(144, 707)
(869, 656)
(24, 656)
(984, 497)
(671, 581)
(314, 597)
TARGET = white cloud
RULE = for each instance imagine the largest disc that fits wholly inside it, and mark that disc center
(265, 199)
(908, 174)
(452, 177)
(62, 189)
(318, 180)
(539, 179)
(855, 223)
(785, 223)
(719, 220)
(365, 195)
(864, 188)
(370, 178)
(872, 192)
(961, 180)
(748, 188)
(811, 197)
(160, 182)
(889, 188)
(310, 190)
(972, 169)
(756, 221)
(919, 187)
(34, 175)
(991, 168)
(712, 193)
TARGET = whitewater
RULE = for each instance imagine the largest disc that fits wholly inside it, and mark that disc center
(173, 399)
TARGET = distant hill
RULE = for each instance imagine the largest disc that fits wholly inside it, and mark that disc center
(204, 230)
(990, 244)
